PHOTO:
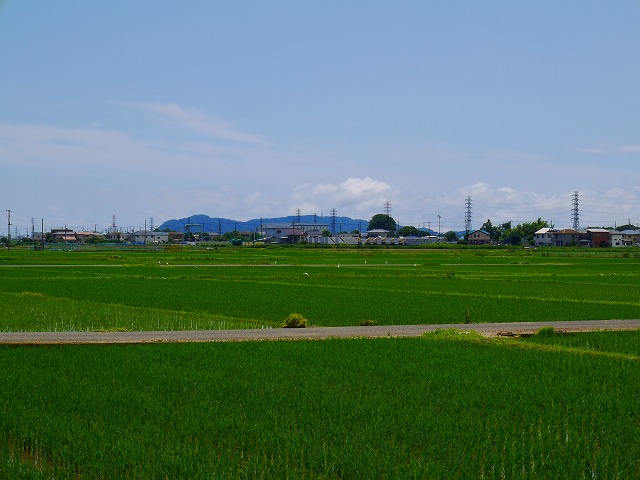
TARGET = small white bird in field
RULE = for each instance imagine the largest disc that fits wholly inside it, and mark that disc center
(305, 274)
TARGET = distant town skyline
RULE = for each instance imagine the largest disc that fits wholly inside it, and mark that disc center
(239, 110)
(151, 223)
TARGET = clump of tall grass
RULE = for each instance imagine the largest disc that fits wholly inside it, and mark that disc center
(295, 320)
(467, 315)
(367, 323)
(546, 332)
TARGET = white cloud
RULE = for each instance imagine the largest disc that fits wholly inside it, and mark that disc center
(354, 196)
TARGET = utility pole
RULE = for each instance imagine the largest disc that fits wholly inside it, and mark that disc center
(438, 227)
(8, 229)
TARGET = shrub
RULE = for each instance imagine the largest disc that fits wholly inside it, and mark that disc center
(546, 332)
(367, 323)
(295, 320)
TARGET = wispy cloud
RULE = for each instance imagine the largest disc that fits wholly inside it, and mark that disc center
(609, 149)
(46, 145)
(201, 123)
(629, 149)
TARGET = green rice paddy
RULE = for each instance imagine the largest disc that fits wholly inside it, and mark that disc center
(447, 405)
(259, 287)
(442, 406)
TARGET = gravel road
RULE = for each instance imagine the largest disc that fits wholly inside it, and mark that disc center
(487, 329)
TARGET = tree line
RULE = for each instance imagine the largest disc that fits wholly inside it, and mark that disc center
(503, 233)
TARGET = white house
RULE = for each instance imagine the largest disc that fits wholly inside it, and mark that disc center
(293, 232)
(543, 237)
(147, 236)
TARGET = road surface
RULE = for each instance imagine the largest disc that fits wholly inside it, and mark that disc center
(316, 333)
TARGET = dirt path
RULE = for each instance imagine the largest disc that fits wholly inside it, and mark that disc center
(487, 329)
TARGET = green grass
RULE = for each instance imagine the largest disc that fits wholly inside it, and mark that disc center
(442, 406)
(35, 312)
(231, 288)
(612, 342)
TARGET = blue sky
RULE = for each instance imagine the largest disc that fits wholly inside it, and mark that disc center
(244, 109)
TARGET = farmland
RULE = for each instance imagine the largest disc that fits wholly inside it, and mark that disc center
(446, 405)
(258, 288)
(442, 406)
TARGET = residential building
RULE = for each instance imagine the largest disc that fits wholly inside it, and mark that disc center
(479, 237)
(630, 238)
(625, 238)
(543, 237)
(82, 237)
(599, 237)
(64, 235)
(148, 236)
(566, 237)
(293, 232)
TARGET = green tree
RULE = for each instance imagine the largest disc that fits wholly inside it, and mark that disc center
(528, 229)
(450, 236)
(382, 221)
(95, 240)
(494, 232)
(409, 231)
(513, 237)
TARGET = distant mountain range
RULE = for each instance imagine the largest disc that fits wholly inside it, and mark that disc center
(225, 225)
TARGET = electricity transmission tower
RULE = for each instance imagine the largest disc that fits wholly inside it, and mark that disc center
(334, 214)
(575, 211)
(387, 208)
(467, 216)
